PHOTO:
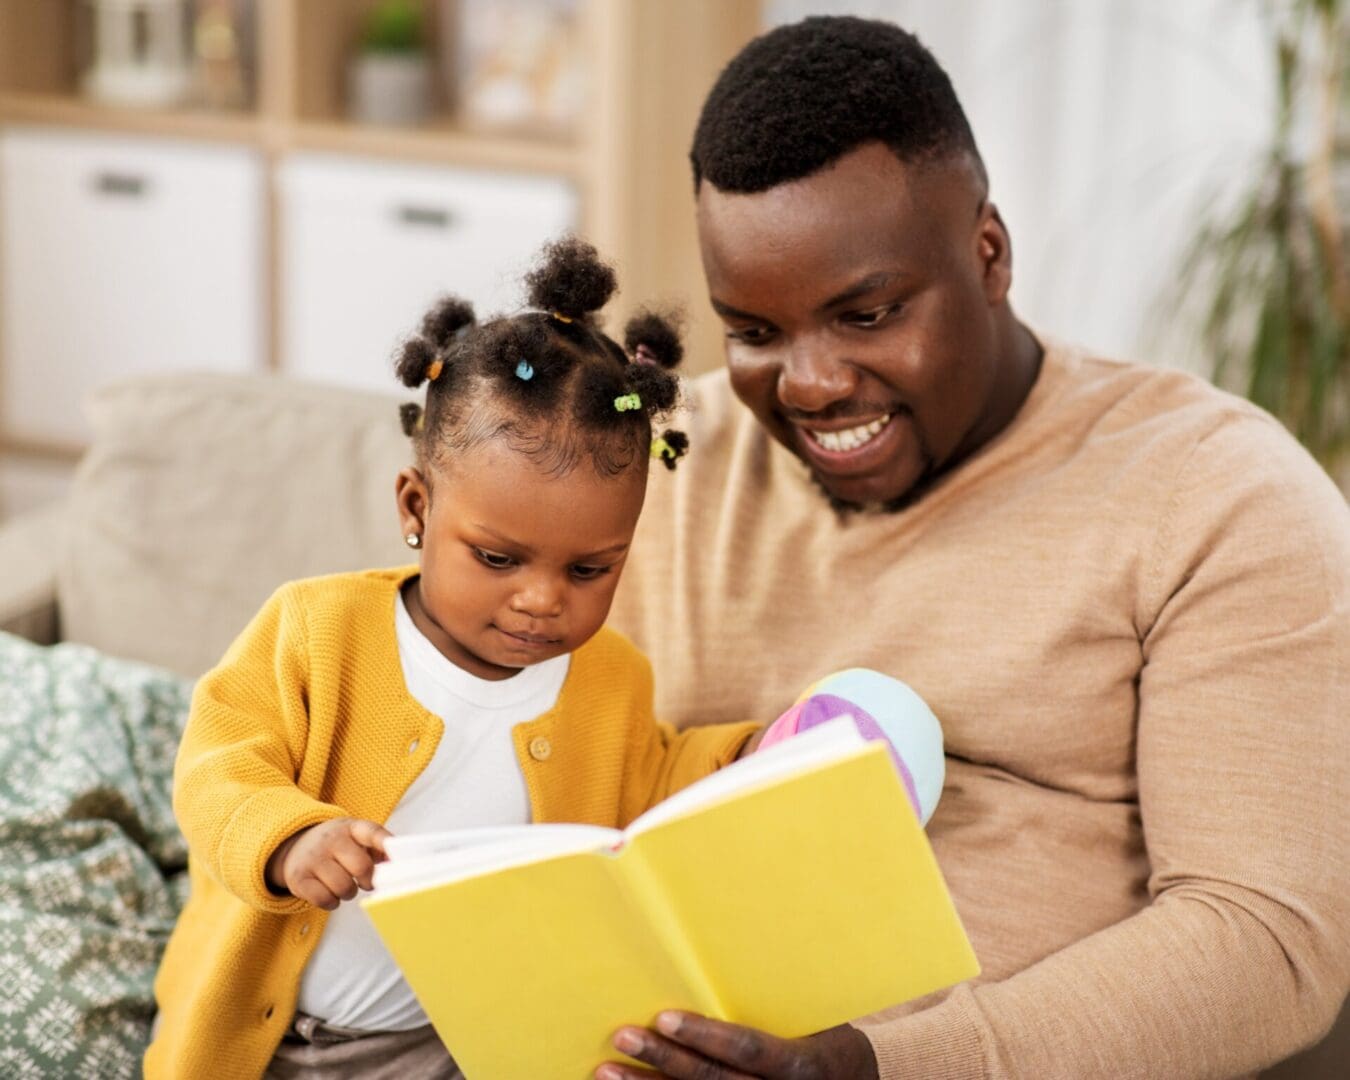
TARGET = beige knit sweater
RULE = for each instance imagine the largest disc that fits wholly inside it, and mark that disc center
(1131, 612)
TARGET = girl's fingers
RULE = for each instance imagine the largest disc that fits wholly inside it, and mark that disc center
(338, 860)
(371, 835)
(356, 860)
(313, 891)
(335, 878)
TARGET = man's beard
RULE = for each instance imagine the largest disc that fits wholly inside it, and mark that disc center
(903, 501)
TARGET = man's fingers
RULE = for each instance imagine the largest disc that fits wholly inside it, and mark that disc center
(756, 1052)
(371, 835)
(672, 1059)
(614, 1071)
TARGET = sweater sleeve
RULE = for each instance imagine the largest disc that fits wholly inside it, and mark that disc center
(235, 794)
(1243, 751)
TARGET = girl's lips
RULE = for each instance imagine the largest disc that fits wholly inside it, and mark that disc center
(840, 459)
(529, 641)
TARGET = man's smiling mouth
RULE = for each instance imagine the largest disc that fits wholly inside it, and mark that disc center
(837, 442)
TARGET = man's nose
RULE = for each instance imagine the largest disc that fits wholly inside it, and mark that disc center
(814, 376)
(539, 597)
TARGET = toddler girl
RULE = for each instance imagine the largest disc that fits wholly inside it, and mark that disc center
(478, 688)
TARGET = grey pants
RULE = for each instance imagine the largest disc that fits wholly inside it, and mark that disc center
(313, 1050)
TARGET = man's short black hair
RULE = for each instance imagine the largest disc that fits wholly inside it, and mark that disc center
(801, 96)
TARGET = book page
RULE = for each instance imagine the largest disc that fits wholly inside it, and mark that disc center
(810, 901)
(420, 859)
(527, 973)
(417, 860)
(827, 742)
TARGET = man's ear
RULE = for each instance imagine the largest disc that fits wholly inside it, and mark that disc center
(413, 497)
(994, 252)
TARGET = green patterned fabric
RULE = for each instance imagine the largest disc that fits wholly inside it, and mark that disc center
(91, 862)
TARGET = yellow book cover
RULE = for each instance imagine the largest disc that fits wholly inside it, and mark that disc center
(792, 891)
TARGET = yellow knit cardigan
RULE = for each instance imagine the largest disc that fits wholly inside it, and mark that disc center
(308, 718)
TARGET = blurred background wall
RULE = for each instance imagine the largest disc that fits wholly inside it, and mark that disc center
(1108, 127)
(283, 185)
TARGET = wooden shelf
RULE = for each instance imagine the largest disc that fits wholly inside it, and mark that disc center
(438, 143)
(40, 449)
(441, 143)
(67, 110)
(648, 65)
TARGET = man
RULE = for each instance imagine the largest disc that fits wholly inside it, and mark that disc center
(1125, 594)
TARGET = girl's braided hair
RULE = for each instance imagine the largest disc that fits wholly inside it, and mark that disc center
(549, 380)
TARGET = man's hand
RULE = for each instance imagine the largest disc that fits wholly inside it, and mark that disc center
(325, 863)
(686, 1046)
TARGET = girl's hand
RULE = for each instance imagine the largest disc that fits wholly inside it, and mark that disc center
(686, 1046)
(751, 744)
(326, 863)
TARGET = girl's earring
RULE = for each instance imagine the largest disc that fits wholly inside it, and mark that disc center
(413, 540)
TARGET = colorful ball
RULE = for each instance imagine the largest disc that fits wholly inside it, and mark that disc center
(883, 708)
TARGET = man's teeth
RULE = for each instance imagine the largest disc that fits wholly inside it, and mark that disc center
(850, 438)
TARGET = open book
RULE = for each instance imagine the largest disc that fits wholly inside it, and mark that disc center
(791, 891)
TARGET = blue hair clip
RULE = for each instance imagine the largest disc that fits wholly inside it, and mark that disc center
(524, 371)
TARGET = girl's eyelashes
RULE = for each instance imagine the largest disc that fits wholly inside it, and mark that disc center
(494, 560)
(586, 572)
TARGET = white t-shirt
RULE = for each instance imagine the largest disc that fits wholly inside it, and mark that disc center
(473, 779)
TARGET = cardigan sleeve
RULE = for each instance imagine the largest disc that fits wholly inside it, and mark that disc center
(662, 761)
(1243, 751)
(235, 794)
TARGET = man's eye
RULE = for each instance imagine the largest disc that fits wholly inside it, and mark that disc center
(493, 560)
(750, 335)
(871, 317)
(589, 573)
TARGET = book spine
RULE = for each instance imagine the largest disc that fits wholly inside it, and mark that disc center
(654, 899)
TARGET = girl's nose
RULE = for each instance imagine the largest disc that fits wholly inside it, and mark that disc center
(814, 376)
(541, 597)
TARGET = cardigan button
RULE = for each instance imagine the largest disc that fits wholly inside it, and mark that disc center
(540, 748)
(412, 746)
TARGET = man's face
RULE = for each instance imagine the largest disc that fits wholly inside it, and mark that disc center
(859, 309)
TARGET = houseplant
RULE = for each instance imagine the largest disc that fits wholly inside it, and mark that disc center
(1269, 282)
(389, 81)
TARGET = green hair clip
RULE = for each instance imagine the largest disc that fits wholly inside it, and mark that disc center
(663, 450)
(627, 403)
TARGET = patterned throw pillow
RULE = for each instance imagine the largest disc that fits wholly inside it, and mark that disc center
(91, 862)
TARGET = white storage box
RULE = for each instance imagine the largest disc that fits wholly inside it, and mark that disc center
(367, 247)
(119, 257)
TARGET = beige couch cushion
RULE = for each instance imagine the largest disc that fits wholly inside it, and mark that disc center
(202, 493)
(29, 548)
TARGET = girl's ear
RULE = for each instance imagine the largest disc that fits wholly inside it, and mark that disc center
(412, 496)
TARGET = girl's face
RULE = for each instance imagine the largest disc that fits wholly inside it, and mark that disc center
(517, 566)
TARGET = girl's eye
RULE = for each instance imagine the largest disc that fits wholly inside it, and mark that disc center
(589, 573)
(493, 560)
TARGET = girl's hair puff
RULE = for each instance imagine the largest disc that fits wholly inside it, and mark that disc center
(549, 380)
